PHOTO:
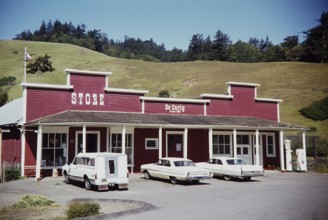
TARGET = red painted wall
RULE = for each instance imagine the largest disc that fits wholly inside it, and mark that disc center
(243, 103)
(198, 145)
(11, 146)
(141, 155)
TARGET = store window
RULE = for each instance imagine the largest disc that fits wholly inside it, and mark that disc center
(270, 148)
(222, 144)
(116, 145)
(54, 149)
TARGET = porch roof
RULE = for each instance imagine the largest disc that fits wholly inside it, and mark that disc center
(78, 118)
(94, 118)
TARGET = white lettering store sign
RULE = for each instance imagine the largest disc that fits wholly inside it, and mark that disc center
(87, 99)
(174, 108)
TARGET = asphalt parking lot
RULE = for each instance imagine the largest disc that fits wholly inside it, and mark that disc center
(275, 196)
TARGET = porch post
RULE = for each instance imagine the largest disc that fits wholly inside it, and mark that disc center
(84, 139)
(23, 152)
(185, 143)
(257, 155)
(234, 143)
(38, 154)
(160, 142)
(281, 143)
(210, 142)
(123, 139)
(107, 139)
(304, 150)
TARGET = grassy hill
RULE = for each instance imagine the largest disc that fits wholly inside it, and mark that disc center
(298, 84)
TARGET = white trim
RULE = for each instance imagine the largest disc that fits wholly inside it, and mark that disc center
(242, 84)
(205, 109)
(143, 106)
(23, 152)
(274, 154)
(38, 154)
(185, 143)
(218, 96)
(133, 91)
(257, 147)
(107, 139)
(210, 142)
(146, 98)
(282, 152)
(87, 72)
(268, 100)
(234, 134)
(304, 150)
(151, 148)
(47, 86)
(160, 141)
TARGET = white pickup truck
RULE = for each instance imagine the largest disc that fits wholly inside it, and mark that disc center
(98, 169)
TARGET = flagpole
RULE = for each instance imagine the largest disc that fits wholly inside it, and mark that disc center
(24, 80)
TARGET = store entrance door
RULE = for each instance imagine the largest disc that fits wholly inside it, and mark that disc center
(92, 142)
(175, 145)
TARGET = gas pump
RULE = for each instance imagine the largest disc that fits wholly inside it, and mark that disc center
(289, 164)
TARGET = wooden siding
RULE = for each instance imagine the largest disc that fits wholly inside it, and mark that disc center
(11, 146)
(243, 103)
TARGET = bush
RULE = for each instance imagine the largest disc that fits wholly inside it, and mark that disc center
(12, 174)
(82, 209)
(33, 201)
(317, 110)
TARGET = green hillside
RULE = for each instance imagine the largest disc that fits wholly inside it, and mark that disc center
(298, 84)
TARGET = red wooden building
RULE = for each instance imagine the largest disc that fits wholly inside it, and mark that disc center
(87, 115)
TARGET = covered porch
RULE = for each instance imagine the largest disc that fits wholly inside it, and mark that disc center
(146, 136)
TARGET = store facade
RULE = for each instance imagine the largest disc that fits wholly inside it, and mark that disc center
(87, 115)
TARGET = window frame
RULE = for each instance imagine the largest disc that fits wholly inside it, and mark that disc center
(147, 147)
(273, 145)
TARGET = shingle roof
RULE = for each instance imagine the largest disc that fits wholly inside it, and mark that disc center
(165, 120)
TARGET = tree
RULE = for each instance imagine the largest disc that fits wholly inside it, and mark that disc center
(195, 47)
(290, 42)
(3, 97)
(316, 42)
(220, 48)
(41, 64)
(244, 52)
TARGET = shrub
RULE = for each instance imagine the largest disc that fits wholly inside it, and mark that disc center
(12, 174)
(317, 110)
(82, 209)
(33, 201)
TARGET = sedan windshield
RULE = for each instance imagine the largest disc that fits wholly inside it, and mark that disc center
(184, 163)
(236, 162)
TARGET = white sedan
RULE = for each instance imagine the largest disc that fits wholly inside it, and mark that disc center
(174, 169)
(231, 167)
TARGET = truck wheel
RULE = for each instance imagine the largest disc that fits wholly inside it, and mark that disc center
(227, 178)
(87, 183)
(247, 178)
(173, 180)
(67, 179)
(146, 175)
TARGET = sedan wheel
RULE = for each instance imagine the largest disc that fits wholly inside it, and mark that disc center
(146, 175)
(87, 183)
(227, 178)
(67, 179)
(173, 180)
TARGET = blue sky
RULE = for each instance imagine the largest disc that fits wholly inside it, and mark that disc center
(172, 22)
